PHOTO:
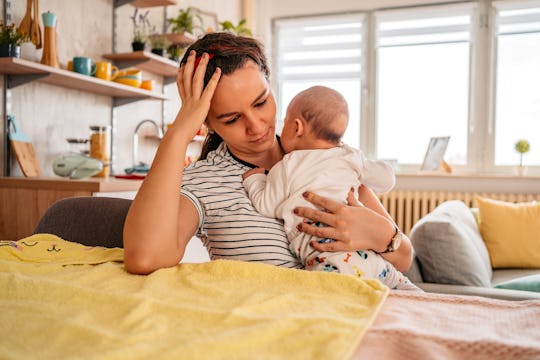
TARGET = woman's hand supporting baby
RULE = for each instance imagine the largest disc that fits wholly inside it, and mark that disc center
(354, 226)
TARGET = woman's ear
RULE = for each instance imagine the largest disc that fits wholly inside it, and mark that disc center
(210, 130)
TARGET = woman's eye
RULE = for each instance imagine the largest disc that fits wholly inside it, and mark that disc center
(260, 103)
(232, 120)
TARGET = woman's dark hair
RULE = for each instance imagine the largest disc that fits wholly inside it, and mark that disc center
(230, 52)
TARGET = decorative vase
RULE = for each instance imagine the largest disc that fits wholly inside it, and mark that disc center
(10, 50)
(49, 57)
(138, 46)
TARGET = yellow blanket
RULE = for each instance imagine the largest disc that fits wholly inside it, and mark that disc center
(63, 300)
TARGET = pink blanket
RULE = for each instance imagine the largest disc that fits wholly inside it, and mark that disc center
(434, 326)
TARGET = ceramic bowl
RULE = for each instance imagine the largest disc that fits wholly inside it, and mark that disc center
(129, 77)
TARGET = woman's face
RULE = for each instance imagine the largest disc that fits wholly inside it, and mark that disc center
(243, 112)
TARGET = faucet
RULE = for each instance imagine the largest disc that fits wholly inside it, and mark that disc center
(159, 132)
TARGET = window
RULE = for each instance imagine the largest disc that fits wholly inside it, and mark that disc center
(423, 81)
(468, 70)
(321, 51)
(518, 82)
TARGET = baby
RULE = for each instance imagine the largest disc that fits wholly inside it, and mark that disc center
(317, 161)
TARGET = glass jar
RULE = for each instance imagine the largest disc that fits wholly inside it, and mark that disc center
(100, 147)
(78, 146)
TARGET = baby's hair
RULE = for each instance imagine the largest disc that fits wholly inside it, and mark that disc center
(229, 52)
(325, 110)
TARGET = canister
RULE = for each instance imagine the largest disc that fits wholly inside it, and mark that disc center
(100, 147)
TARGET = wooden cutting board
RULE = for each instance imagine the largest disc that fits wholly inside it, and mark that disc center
(23, 149)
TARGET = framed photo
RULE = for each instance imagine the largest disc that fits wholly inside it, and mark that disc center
(435, 153)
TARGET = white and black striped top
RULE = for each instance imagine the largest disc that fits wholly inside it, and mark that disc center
(229, 225)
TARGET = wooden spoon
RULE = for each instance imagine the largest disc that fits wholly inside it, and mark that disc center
(25, 26)
(35, 35)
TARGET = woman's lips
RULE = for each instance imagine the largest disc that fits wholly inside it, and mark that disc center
(262, 138)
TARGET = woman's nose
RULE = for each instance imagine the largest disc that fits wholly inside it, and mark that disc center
(254, 125)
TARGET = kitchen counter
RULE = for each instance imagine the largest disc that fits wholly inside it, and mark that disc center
(24, 200)
(94, 185)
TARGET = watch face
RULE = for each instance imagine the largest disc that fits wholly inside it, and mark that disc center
(396, 241)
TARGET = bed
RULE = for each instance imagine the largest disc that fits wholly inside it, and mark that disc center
(63, 299)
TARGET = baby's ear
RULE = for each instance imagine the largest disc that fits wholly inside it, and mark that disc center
(300, 126)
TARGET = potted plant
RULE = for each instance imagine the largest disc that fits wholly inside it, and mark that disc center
(239, 29)
(140, 30)
(522, 146)
(159, 44)
(184, 26)
(11, 39)
(175, 52)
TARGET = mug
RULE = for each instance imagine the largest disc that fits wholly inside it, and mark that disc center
(84, 65)
(105, 70)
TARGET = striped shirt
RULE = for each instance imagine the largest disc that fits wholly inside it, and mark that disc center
(229, 225)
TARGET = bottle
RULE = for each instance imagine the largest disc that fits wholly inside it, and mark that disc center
(100, 147)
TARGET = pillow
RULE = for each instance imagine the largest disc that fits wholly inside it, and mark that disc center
(526, 283)
(511, 232)
(449, 247)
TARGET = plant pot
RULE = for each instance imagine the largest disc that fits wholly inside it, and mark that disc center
(138, 46)
(160, 52)
(520, 170)
(10, 50)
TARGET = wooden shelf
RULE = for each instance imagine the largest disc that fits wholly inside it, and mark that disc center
(152, 3)
(145, 3)
(183, 39)
(21, 71)
(146, 61)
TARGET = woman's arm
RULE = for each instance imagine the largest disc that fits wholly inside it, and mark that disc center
(355, 227)
(160, 221)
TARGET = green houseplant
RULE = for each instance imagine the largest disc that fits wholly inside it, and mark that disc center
(159, 44)
(187, 21)
(140, 30)
(522, 146)
(11, 39)
(185, 26)
(239, 29)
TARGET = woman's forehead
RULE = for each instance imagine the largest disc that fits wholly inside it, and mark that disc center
(245, 84)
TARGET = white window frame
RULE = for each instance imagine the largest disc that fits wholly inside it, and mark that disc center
(481, 136)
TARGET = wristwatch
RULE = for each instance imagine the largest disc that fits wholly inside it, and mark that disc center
(394, 243)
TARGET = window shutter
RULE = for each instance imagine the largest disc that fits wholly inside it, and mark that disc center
(325, 48)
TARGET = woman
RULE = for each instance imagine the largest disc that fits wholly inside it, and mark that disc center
(223, 82)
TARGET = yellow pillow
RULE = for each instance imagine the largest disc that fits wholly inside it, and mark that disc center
(511, 232)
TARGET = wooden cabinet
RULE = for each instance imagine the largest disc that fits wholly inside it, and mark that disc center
(24, 200)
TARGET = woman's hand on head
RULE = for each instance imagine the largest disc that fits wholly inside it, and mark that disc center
(195, 96)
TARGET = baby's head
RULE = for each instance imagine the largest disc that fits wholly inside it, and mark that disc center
(316, 119)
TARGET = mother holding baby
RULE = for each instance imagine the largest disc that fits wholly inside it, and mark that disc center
(223, 82)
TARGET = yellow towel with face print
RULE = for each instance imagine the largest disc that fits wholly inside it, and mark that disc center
(65, 300)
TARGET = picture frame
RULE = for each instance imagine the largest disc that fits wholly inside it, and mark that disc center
(434, 156)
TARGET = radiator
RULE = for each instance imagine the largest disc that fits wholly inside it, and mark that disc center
(407, 207)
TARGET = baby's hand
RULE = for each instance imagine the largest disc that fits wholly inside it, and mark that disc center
(248, 173)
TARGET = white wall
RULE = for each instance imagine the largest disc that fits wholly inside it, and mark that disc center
(50, 114)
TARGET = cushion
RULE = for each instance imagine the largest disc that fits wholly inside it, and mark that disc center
(526, 283)
(449, 247)
(511, 232)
